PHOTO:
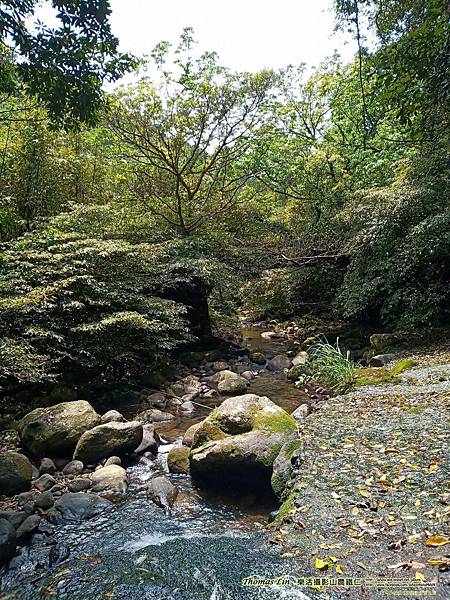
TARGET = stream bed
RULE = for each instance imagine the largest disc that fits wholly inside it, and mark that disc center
(203, 550)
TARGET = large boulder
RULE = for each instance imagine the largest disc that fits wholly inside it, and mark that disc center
(56, 430)
(230, 383)
(15, 473)
(77, 507)
(106, 440)
(7, 541)
(237, 444)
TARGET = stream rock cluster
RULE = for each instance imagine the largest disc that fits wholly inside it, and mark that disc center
(70, 463)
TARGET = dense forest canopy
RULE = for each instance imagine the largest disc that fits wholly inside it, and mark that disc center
(278, 191)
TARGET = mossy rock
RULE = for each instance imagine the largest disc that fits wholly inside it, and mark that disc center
(297, 372)
(178, 460)
(403, 365)
(283, 467)
(15, 473)
(285, 510)
(207, 432)
(374, 376)
(56, 430)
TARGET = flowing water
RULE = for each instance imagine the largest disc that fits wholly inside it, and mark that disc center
(137, 552)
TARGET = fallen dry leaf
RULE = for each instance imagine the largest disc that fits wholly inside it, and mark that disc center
(437, 540)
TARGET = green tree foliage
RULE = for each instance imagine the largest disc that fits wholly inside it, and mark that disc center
(66, 65)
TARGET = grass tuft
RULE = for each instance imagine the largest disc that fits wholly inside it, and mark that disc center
(330, 366)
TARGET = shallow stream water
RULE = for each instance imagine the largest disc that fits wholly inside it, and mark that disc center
(137, 552)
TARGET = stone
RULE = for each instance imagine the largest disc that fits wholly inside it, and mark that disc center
(150, 440)
(15, 517)
(74, 467)
(44, 483)
(47, 466)
(301, 412)
(108, 440)
(187, 407)
(258, 358)
(153, 415)
(192, 385)
(34, 472)
(384, 341)
(248, 375)
(219, 365)
(24, 498)
(162, 492)
(178, 460)
(158, 400)
(56, 429)
(270, 335)
(28, 527)
(113, 460)
(230, 383)
(77, 507)
(15, 473)
(45, 500)
(188, 437)
(283, 467)
(239, 441)
(110, 478)
(381, 359)
(279, 363)
(299, 371)
(79, 484)
(7, 541)
(112, 416)
(300, 359)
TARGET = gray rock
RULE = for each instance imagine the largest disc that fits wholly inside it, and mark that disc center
(7, 541)
(15, 517)
(45, 500)
(79, 485)
(28, 527)
(44, 483)
(112, 416)
(188, 437)
(162, 492)
(77, 507)
(230, 383)
(279, 363)
(248, 375)
(113, 460)
(153, 415)
(112, 478)
(24, 498)
(283, 466)
(301, 412)
(187, 407)
(158, 400)
(107, 440)
(192, 385)
(300, 359)
(381, 359)
(270, 335)
(47, 466)
(150, 440)
(34, 472)
(56, 429)
(15, 473)
(74, 467)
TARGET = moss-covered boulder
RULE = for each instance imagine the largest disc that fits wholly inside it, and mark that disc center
(110, 439)
(178, 460)
(55, 430)
(15, 473)
(238, 443)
